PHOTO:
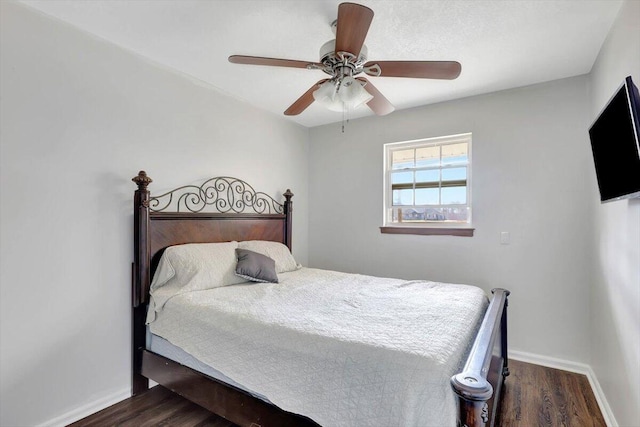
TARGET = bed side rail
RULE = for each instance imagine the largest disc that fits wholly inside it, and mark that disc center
(485, 368)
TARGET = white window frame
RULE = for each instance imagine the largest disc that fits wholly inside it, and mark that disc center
(399, 227)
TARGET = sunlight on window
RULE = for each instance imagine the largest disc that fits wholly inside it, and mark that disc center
(428, 181)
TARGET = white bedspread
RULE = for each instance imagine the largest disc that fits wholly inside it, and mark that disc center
(342, 349)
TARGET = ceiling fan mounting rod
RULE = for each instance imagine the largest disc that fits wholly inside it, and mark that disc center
(344, 72)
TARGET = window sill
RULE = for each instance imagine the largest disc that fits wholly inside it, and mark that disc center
(429, 231)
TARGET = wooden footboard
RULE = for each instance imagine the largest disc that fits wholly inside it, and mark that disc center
(479, 386)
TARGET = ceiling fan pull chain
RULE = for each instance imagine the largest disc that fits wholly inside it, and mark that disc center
(345, 115)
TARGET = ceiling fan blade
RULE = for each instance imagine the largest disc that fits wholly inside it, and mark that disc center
(353, 24)
(378, 104)
(447, 70)
(304, 101)
(259, 60)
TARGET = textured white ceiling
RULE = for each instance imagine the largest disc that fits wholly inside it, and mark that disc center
(501, 44)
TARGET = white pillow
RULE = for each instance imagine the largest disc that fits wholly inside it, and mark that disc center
(274, 250)
(192, 267)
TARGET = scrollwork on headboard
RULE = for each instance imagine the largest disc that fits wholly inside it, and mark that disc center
(222, 194)
(221, 209)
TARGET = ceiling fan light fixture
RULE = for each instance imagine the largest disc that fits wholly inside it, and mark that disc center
(345, 94)
(353, 94)
(327, 96)
(326, 93)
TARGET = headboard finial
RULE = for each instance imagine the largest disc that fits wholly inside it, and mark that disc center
(142, 180)
(288, 194)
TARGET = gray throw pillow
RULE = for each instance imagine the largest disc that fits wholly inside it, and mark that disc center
(255, 267)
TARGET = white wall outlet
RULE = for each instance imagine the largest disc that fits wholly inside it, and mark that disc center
(505, 238)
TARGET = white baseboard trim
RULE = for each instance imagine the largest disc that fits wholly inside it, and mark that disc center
(88, 409)
(549, 362)
(567, 365)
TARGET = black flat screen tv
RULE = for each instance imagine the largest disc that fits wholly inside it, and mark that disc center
(615, 142)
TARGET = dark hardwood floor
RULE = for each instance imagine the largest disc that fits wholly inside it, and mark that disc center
(156, 407)
(539, 396)
(534, 396)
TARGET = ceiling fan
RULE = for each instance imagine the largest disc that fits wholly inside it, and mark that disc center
(345, 58)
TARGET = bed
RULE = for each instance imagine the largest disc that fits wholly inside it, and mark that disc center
(224, 211)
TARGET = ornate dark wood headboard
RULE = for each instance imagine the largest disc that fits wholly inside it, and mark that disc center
(221, 209)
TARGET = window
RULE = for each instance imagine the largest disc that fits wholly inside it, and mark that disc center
(428, 185)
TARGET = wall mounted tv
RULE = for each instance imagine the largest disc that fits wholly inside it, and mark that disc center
(615, 142)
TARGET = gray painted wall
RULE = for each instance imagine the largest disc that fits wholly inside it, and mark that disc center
(532, 176)
(615, 296)
(80, 117)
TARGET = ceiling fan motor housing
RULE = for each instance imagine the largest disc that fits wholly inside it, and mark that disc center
(341, 63)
